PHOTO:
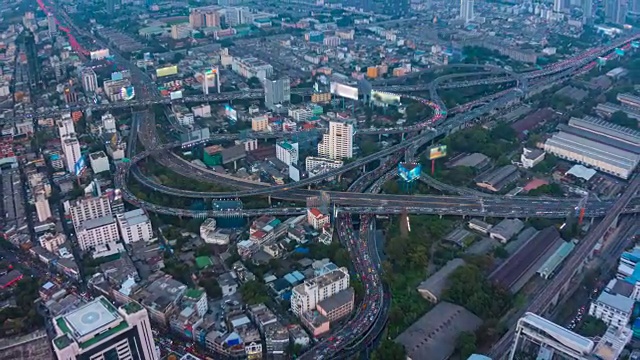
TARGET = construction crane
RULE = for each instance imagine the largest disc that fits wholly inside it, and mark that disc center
(580, 209)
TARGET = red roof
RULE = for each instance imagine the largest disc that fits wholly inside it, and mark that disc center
(259, 234)
(534, 184)
(315, 212)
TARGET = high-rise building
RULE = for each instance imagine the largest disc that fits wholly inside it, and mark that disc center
(634, 8)
(65, 126)
(43, 210)
(89, 208)
(276, 91)
(559, 5)
(287, 152)
(51, 23)
(95, 233)
(338, 143)
(30, 49)
(111, 6)
(211, 78)
(89, 80)
(615, 11)
(587, 11)
(134, 226)
(306, 296)
(71, 150)
(99, 330)
(466, 10)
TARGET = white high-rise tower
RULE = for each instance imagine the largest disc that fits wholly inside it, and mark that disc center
(466, 10)
(338, 143)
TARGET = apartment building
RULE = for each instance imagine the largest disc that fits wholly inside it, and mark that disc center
(134, 226)
(338, 143)
(306, 296)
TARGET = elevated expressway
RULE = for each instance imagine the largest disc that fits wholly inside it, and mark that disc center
(278, 191)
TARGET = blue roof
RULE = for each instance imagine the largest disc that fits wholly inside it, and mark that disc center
(286, 295)
(633, 255)
(298, 275)
(291, 279)
(275, 222)
(635, 276)
(302, 250)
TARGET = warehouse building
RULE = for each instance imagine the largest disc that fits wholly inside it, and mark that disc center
(596, 143)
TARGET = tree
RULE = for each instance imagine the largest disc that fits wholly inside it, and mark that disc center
(592, 326)
(254, 292)
(621, 118)
(468, 287)
(500, 252)
(254, 82)
(211, 287)
(466, 344)
(389, 350)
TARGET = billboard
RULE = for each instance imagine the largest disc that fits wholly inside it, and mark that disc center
(166, 71)
(175, 95)
(99, 54)
(385, 97)
(127, 92)
(344, 91)
(409, 171)
(80, 166)
(437, 152)
(231, 113)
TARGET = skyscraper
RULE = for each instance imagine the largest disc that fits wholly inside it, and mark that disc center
(30, 49)
(558, 5)
(615, 11)
(71, 150)
(276, 91)
(51, 22)
(466, 10)
(634, 8)
(89, 80)
(99, 330)
(338, 143)
(587, 11)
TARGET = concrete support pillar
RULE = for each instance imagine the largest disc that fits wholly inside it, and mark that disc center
(235, 165)
(339, 177)
(269, 198)
(364, 167)
(379, 138)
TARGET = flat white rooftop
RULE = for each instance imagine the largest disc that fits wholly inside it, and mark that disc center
(91, 317)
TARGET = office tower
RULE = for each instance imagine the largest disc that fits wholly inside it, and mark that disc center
(70, 96)
(65, 126)
(89, 208)
(287, 152)
(587, 11)
(634, 8)
(30, 49)
(306, 296)
(276, 91)
(43, 210)
(111, 6)
(135, 226)
(338, 143)
(558, 5)
(211, 78)
(89, 80)
(466, 10)
(615, 11)
(71, 150)
(51, 23)
(99, 330)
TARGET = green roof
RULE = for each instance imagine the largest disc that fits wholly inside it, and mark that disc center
(286, 145)
(132, 307)
(123, 325)
(109, 306)
(194, 293)
(62, 324)
(62, 342)
(203, 262)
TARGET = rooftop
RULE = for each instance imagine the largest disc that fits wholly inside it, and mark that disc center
(567, 337)
(97, 222)
(436, 283)
(616, 301)
(338, 300)
(434, 335)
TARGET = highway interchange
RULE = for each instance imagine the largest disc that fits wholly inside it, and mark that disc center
(369, 315)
